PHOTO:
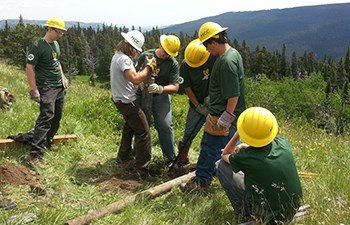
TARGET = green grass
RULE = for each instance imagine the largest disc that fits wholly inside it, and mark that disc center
(76, 170)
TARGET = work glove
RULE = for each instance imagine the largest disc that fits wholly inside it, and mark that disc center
(142, 86)
(226, 119)
(155, 89)
(151, 61)
(34, 95)
(202, 109)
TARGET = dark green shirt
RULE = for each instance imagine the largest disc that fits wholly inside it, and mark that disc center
(167, 69)
(271, 179)
(227, 81)
(45, 57)
(197, 78)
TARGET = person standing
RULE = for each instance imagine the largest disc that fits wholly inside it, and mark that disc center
(124, 84)
(166, 82)
(47, 85)
(227, 102)
(259, 176)
(195, 69)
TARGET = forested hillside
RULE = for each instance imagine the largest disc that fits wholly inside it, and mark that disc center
(323, 30)
(86, 51)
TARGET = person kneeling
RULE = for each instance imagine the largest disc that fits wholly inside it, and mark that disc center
(260, 176)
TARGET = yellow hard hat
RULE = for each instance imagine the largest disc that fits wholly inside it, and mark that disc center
(170, 43)
(209, 30)
(55, 22)
(196, 54)
(257, 126)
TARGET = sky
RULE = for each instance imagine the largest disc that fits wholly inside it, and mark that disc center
(144, 13)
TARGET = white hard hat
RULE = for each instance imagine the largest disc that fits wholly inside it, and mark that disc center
(135, 38)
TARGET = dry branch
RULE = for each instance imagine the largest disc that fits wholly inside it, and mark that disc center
(119, 205)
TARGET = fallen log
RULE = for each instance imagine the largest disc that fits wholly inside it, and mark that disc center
(57, 138)
(119, 205)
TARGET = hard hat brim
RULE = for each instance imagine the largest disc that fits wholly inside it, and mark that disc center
(215, 33)
(126, 37)
(56, 27)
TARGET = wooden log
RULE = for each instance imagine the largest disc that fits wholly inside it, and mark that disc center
(57, 138)
(119, 205)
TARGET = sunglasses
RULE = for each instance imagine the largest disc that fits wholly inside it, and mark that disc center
(60, 33)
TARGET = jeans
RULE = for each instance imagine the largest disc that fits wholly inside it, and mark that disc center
(162, 115)
(48, 122)
(135, 124)
(210, 153)
(194, 123)
(233, 184)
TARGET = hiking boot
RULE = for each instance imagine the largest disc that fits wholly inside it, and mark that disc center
(120, 160)
(194, 184)
(182, 162)
(33, 160)
(144, 175)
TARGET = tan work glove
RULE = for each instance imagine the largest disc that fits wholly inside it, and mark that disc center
(155, 89)
(151, 61)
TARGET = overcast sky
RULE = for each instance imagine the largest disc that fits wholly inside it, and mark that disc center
(144, 13)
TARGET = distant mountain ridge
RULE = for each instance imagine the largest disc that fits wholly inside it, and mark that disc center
(323, 30)
(13, 22)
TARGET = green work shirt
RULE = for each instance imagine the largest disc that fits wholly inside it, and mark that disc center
(227, 81)
(167, 69)
(197, 78)
(45, 57)
(271, 179)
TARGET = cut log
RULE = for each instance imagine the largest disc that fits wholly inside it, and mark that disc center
(57, 138)
(119, 205)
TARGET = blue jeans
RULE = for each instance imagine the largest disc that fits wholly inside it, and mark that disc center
(194, 123)
(210, 153)
(162, 115)
(233, 184)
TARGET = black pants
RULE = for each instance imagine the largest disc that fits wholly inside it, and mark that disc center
(135, 124)
(48, 122)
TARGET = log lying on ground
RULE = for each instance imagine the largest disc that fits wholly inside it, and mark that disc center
(56, 138)
(119, 205)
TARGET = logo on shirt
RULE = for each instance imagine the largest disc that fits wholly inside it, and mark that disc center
(205, 74)
(30, 57)
(127, 62)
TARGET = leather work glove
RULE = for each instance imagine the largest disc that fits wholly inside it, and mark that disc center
(226, 119)
(151, 61)
(155, 89)
(202, 109)
(34, 95)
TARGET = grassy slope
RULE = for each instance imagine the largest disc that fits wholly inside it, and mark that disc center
(75, 169)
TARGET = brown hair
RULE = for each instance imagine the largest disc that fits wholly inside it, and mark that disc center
(127, 49)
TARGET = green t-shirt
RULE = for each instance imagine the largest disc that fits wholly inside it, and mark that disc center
(167, 69)
(197, 78)
(271, 179)
(45, 57)
(227, 81)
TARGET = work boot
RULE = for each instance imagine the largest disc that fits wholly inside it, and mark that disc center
(144, 175)
(194, 184)
(183, 160)
(33, 160)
